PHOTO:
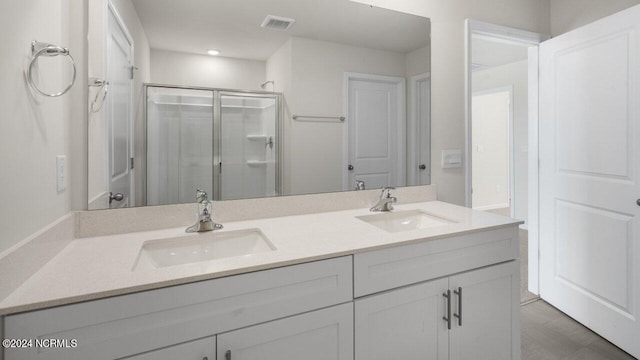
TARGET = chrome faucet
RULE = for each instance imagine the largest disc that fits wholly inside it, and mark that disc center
(386, 201)
(205, 222)
(360, 185)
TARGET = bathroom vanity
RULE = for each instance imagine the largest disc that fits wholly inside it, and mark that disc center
(430, 281)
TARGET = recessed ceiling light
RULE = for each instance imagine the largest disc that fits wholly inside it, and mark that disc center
(213, 52)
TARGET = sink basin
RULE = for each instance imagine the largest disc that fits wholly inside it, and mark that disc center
(196, 248)
(398, 221)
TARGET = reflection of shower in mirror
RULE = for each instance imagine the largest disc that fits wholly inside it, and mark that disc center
(213, 140)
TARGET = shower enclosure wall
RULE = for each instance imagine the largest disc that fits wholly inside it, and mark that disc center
(225, 142)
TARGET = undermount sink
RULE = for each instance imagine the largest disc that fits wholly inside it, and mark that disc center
(201, 247)
(398, 221)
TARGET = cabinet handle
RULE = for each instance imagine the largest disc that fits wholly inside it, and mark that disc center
(447, 318)
(459, 314)
(227, 355)
(205, 358)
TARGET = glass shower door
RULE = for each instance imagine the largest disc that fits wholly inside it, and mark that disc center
(180, 143)
(248, 145)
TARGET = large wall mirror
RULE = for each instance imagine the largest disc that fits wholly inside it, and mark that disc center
(254, 98)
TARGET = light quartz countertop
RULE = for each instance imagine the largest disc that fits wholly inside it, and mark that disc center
(98, 267)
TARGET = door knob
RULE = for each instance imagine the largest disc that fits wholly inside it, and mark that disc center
(116, 197)
(638, 202)
(350, 167)
(422, 167)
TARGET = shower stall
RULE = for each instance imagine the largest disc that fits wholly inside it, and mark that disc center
(225, 142)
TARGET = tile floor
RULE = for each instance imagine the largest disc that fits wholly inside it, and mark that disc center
(549, 334)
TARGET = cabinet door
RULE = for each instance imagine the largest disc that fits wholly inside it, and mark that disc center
(489, 327)
(319, 335)
(203, 349)
(403, 324)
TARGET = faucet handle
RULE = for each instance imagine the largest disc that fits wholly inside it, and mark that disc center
(201, 196)
(360, 185)
(386, 191)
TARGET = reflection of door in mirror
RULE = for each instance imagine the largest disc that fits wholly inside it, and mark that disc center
(376, 130)
(419, 130)
(111, 135)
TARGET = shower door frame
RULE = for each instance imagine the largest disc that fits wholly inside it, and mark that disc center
(217, 133)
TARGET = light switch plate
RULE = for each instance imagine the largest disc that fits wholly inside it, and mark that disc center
(451, 159)
(61, 172)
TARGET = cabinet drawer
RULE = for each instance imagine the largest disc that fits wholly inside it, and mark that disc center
(385, 269)
(132, 324)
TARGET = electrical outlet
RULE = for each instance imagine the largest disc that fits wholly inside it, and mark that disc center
(61, 172)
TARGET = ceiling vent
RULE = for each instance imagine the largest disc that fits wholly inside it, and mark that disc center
(277, 23)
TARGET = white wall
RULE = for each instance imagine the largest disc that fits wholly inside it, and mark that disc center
(177, 68)
(317, 77)
(447, 67)
(567, 15)
(514, 74)
(278, 70)
(418, 61)
(34, 129)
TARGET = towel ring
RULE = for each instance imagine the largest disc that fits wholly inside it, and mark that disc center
(38, 49)
(103, 86)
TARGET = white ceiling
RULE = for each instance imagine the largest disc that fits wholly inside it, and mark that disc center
(233, 26)
(486, 53)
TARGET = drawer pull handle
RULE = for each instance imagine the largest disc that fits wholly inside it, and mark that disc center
(447, 318)
(227, 355)
(459, 314)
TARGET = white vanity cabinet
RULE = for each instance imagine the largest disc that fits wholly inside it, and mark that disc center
(319, 335)
(383, 304)
(134, 324)
(489, 328)
(402, 324)
(203, 349)
(411, 321)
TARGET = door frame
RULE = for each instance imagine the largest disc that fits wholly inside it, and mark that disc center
(510, 140)
(414, 143)
(522, 37)
(111, 9)
(401, 84)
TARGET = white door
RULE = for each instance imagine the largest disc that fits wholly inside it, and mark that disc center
(590, 176)
(486, 308)
(403, 324)
(421, 89)
(119, 113)
(319, 335)
(376, 131)
(491, 165)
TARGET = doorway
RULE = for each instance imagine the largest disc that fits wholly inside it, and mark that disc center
(492, 149)
(498, 57)
(376, 131)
